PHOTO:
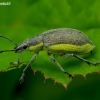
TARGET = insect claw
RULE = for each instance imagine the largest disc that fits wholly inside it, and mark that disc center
(88, 63)
(70, 76)
(22, 78)
(96, 64)
(13, 63)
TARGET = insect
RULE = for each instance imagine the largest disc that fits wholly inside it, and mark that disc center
(63, 42)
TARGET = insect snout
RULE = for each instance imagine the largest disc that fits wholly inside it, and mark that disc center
(20, 48)
(17, 49)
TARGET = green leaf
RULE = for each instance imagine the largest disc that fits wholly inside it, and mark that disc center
(71, 65)
(40, 16)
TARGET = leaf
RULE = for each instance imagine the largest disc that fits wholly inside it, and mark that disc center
(41, 16)
(71, 65)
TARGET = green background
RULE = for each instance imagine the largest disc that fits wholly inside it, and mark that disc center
(25, 18)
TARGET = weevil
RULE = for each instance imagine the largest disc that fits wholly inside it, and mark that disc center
(63, 42)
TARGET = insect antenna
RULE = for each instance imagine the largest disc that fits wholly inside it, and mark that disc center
(6, 51)
(8, 39)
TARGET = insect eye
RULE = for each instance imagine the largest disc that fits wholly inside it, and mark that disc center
(25, 46)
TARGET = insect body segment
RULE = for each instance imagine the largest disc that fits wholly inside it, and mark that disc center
(36, 48)
(69, 48)
(65, 36)
(31, 44)
(64, 42)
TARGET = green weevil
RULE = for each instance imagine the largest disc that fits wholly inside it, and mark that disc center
(63, 42)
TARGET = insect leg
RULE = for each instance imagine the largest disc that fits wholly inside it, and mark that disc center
(54, 60)
(16, 64)
(88, 62)
(19, 57)
(27, 66)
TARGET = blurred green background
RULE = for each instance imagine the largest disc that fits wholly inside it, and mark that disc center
(25, 18)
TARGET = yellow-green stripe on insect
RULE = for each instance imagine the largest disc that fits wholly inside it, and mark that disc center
(63, 42)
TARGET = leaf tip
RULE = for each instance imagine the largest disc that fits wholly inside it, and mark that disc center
(45, 79)
(55, 82)
(65, 86)
(34, 72)
(84, 76)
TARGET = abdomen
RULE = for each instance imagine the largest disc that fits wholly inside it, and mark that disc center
(66, 40)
